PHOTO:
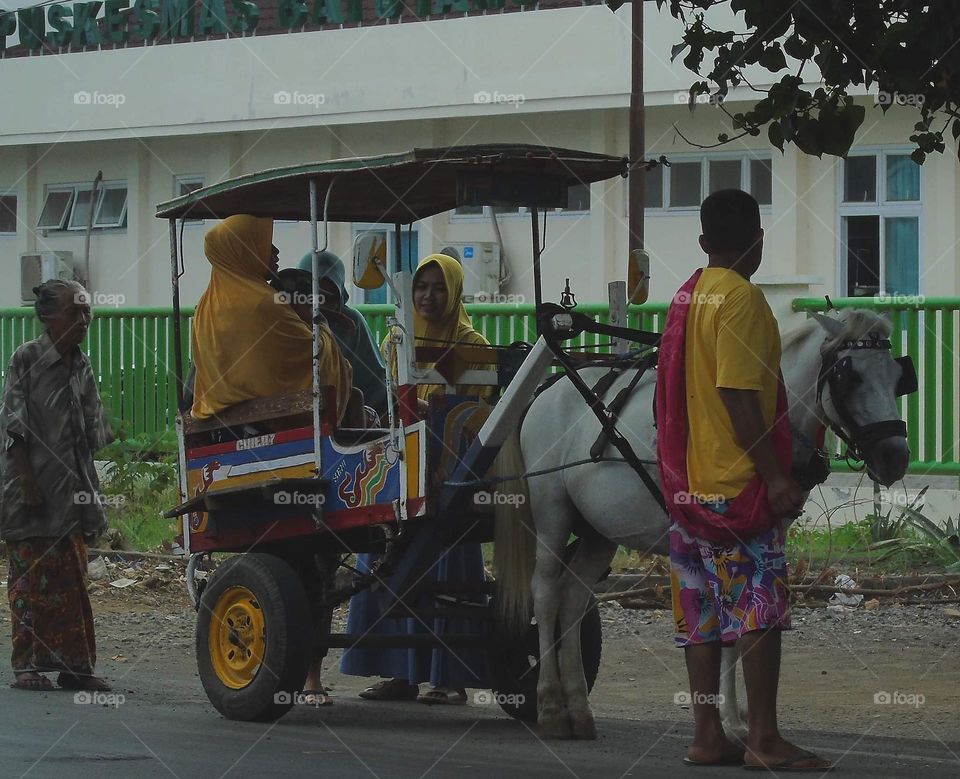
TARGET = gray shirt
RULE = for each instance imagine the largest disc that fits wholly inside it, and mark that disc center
(55, 410)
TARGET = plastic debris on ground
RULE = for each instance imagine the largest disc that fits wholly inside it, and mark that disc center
(844, 582)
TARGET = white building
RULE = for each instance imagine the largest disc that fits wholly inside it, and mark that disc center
(159, 118)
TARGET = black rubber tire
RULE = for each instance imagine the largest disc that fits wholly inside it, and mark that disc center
(288, 633)
(515, 665)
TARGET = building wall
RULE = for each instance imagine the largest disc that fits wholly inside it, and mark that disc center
(395, 87)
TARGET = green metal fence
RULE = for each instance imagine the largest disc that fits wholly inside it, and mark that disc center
(927, 330)
(132, 349)
(132, 353)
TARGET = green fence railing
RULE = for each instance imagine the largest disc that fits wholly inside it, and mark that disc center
(132, 353)
(927, 330)
(132, 349)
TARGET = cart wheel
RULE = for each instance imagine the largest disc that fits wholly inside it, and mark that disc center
(515, 665)
(253, 637)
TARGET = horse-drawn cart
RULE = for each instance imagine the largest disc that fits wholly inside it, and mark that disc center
(277, 483)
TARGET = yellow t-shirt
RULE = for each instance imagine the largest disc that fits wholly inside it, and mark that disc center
(732, 341)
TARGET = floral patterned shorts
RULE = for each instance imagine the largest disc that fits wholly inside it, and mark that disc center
(722, 592)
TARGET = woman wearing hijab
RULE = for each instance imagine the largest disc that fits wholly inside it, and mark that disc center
(351, 330)
(439, 317)
(246, 343)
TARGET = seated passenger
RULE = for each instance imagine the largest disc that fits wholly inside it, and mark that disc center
(351, 330)
(347, 324)
(246, 344)
(296, 288)
(439, 318)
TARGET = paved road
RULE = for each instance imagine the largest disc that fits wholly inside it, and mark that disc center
(49, 735)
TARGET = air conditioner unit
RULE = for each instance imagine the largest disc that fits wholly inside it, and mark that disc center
(481, 270)
(38, 267)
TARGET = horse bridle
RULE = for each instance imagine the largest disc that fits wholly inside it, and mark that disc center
(842, 379)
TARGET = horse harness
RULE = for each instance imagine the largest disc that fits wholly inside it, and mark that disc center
(841, 378)
(558, 323)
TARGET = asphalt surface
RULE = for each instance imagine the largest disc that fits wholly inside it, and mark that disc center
(179, 734)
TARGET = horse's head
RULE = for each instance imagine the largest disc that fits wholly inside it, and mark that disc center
(858, 387)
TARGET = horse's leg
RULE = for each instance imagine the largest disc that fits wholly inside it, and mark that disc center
(591, 559)
(551, 543)
(730, 714)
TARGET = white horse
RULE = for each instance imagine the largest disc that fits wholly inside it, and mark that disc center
(532, 535)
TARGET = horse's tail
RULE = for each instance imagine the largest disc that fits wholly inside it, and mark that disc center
(515, 542)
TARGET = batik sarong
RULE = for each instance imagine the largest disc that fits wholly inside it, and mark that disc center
(49, 607)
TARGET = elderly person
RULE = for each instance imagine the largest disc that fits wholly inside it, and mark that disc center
(51, 423)
(246, 345)
(439, 316)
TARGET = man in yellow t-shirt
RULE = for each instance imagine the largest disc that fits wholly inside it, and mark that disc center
(733, 593)
(732, 343)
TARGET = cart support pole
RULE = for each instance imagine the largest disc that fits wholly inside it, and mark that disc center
(537, 286)
(177, 335)
(315, 316)
(452, 523)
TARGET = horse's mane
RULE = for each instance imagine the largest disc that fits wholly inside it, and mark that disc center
(858, 322)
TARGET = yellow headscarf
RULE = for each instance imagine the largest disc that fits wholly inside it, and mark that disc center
(455, 326)
(246, 344)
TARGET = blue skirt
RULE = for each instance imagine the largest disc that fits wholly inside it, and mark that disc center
(458, 668)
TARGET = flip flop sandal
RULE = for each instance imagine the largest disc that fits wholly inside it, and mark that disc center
(790, 764)
(76, 682)
(708, 763)
(446, 697)
(33, 684)
(391, 690)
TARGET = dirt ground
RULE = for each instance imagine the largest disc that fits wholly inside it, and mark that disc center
(838, 670)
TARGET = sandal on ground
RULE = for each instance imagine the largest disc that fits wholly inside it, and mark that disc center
(727, 761)
(316, 698)
(391, 690)
(792, 764)
(75, 682)
(32, 681)
(444, 695)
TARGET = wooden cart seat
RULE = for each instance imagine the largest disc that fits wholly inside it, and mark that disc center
(294, 408)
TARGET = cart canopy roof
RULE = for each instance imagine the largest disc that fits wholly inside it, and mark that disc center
(402, 188)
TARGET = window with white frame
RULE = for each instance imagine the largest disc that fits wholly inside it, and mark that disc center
(578, 201)
(69, 206)
(184, 185)
(688, 180)
(8, 213)
(880, 206)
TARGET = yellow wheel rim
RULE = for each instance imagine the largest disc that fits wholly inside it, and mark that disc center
(237, 631)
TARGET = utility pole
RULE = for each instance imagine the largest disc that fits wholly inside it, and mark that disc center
(638, 264)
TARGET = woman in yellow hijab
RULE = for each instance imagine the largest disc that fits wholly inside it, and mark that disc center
(439, 317)
(246, 344)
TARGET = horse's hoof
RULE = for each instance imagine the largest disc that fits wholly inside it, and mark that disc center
(556, 726)
(583, 727)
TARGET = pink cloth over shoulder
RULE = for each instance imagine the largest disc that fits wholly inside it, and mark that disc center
(749, 513)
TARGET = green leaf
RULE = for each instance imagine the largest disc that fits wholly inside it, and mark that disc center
(772, 59)
(798, 48)
(807, 137)
(775, 135)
